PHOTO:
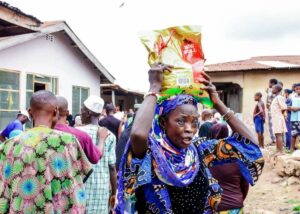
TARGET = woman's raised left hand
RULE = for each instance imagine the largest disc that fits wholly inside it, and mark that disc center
(235, 124)
(209, 87)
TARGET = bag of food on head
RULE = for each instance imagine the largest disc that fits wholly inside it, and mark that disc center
(181, 48)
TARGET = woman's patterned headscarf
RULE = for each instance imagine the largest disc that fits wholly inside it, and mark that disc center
(174, 166)
(168, 105)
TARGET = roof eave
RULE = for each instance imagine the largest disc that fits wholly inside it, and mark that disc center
(118, 87)
(252, 69)
(18, 18)
(62, 26)
(88, 53)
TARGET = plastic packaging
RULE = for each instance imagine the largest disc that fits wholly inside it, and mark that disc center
(181, 48)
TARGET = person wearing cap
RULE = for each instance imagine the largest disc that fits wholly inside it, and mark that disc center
(104, 172)
(17, 124)
(110, 121)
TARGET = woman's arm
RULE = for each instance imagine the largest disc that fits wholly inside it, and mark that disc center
(144, 117)
(235, 124)
(113, 183)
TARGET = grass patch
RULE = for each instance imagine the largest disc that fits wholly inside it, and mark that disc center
(293, 201)
(296, 208)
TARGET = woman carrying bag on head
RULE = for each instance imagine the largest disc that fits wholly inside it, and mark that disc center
(165, 166)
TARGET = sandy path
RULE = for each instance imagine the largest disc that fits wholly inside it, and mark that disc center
(270, 197)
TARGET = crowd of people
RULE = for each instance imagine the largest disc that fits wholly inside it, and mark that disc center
(166, 161)
(283, 114)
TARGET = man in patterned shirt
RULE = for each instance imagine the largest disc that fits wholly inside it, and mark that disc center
(104, 172)
(43, 170)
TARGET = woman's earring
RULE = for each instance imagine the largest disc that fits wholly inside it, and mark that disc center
(164, 133)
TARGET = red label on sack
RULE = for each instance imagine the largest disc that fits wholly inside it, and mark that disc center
(191, 51)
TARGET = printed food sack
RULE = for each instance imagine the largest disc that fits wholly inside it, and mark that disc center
(181, 48)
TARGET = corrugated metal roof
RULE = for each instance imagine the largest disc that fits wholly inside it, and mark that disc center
(278, 64)
(53, 27)
(257, 63)
(118, 87)
(18, 11)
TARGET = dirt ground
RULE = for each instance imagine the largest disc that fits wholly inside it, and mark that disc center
(272, 195)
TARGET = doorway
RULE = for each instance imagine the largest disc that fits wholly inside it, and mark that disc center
(39, 86)
(231, 94)
(121, 105)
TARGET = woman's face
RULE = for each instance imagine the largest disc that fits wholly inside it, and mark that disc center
(181, 125)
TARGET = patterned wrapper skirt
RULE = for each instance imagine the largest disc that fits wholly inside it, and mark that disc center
(234, 211)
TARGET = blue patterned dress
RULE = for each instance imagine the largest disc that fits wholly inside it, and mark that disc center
(172, 180)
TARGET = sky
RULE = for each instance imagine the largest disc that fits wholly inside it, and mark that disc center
(231, 29)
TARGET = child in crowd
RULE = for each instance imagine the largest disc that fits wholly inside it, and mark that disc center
(288, 135)
(270, 97)
(293, 91)
(278, 106)
(206, 117)
(295, 115)
(259, 118)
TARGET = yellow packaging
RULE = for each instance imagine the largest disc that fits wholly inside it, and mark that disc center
(181, 48)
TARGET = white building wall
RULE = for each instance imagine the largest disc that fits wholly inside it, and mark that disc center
(52, 58)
